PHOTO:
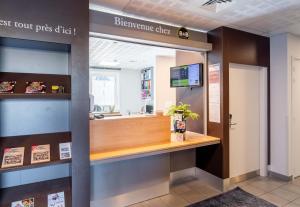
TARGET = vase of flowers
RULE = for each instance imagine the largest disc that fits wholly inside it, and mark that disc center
(179, 115)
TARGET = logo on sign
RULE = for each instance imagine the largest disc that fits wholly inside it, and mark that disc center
(183, 33)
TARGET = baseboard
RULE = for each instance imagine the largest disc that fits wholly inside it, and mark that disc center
(244, 177)
(216, 182)
(280, 176)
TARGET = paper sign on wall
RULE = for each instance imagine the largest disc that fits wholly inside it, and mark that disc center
(214, 99)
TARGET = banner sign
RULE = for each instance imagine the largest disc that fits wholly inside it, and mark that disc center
(124, 23)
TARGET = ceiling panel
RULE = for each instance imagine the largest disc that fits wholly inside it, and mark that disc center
(260, 16)
(114, 4)
(115, 54)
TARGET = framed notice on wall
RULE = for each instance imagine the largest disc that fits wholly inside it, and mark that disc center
(214, 98)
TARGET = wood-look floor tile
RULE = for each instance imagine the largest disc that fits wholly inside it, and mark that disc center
(282, 193)
(138, 205)
(274, 199)
(174, 201)
(156, 202)
(180, 189)
(296, 181)
(292, 188)
(253, 190)
(292, 205)
(190, 191)
(297, 201)
(264, 185)
(193, 196)
(203, 188)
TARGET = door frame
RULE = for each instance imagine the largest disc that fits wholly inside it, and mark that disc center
(263, 118)
(291, 147)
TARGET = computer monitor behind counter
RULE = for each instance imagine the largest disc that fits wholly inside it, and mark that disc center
(187, 75)
(149, 109)
(92, 104)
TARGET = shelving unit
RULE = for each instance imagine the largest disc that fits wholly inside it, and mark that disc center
(48, 79)
(39, 139)
(35, 96)
(39, 191)
(44, 104)
(146, 83)
(147, 91)
(54, 44)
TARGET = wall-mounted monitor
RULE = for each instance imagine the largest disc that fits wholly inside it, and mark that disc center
(187, 75)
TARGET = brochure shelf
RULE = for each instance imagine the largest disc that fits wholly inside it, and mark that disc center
(48, 80)
(39, 191)
(53, 70)
(35, 96)
(53, 139)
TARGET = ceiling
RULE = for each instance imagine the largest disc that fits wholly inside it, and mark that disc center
(265, 17)
(106, 53)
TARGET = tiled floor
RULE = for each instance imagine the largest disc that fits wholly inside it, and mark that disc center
(190, 191)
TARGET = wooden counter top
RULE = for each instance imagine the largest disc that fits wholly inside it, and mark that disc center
(194, 140)
(114, 117)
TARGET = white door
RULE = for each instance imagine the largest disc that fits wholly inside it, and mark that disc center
(296, 115)
(244, 107)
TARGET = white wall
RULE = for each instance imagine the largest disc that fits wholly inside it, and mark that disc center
(130, 91)
(283, 48)
(293, 52)
(164, 94)
(279, 105)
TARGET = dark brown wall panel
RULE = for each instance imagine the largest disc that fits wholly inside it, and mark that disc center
(181, 160)
(210, 158)
(193, 97)
(229, 46)
(246, 48)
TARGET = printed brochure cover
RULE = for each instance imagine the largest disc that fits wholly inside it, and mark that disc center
(56, 200)
(29, 202)
(40, 153)
(65, 150)
(13, 157)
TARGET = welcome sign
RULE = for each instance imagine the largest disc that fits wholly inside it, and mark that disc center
(108, 23)
(123, 22)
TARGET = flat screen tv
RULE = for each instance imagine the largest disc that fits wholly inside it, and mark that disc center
(187, 75)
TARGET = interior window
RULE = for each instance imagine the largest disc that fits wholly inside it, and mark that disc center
(105, 91)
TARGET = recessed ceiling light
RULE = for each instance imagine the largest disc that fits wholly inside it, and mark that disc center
(132, 61)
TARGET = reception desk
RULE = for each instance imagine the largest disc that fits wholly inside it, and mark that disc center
(123, 132)
(130, 158)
